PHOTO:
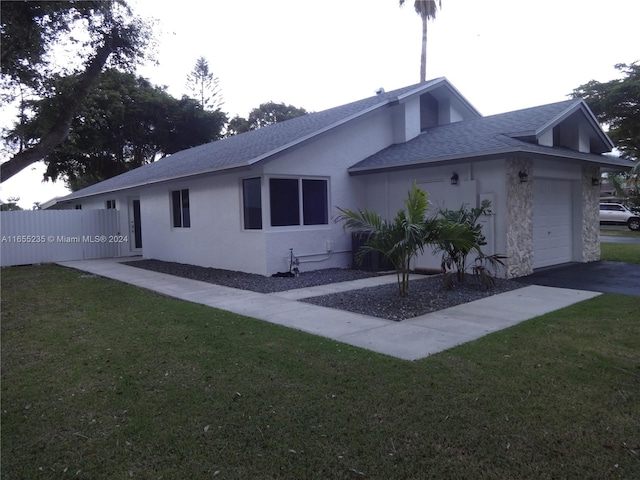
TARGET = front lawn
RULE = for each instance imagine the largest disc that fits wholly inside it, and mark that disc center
(101, 380)
(618, 231)
(620, 252)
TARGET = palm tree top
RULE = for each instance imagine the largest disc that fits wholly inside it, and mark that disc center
(425, 8)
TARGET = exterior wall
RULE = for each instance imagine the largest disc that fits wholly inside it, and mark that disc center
(328, 157)
(590, 215)
(386, 192)
(519, 219)
(215, 238)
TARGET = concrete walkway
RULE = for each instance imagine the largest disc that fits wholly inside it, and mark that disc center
(409, 340)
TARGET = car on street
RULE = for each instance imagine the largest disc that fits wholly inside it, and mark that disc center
(618, 214)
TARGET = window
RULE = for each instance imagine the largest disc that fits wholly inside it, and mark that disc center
(78, 207)
(286, 195)
(180, 208)
(252, 203)
(285, 202)
(111, 204)
(314, 201)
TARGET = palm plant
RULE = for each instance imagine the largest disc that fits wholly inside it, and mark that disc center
(427, 10)
(455, 255)
(403, 237)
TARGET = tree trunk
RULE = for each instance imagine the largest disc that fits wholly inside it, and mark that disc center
(59, 132)
(423, 57)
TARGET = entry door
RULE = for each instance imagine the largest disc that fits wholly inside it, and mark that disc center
(135, 227)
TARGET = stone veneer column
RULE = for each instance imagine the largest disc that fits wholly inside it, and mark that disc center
(519, 218)
(590, 215)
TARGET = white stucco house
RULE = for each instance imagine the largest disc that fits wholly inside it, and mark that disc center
(243, 202)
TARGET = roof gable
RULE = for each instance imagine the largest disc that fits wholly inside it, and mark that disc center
(520, 130)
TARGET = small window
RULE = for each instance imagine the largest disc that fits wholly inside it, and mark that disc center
(78, 207)
(180, 208)
(111, 204)
(252, 203)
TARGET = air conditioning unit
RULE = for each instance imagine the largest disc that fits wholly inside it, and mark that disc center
(372, 261)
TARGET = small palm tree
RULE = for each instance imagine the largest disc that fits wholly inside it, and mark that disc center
(427, 10)
(453, 256)
(402, 238)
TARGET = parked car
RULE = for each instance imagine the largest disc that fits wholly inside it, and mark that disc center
(618, 214)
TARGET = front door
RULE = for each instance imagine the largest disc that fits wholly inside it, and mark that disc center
(135, 227)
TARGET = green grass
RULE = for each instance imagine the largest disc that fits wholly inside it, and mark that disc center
(618, 231)
(105, 381)
(620, 252)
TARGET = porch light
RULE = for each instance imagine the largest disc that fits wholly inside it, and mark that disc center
(595, 181)
(524, 176)
(454, 179)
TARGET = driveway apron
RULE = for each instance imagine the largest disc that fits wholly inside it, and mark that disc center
(604, 277)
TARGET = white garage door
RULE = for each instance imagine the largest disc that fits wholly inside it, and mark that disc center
(552, 224)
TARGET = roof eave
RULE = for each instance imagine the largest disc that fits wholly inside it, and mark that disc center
(600, 160)
(222, 169)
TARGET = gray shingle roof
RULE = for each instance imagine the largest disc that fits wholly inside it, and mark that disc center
(477, 137)
(480, 137)
(247, 148)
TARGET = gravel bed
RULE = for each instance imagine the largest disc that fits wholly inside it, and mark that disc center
(425, 295)
(251, 281)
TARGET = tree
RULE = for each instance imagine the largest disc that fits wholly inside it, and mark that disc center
(427, 10)
(30, 30)
(205, 86)
(266, 114)
(10, 205)
(402, 238)
(124, 122)
(455, 256)
(616, 104)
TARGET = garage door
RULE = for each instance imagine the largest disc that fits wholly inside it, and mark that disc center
(552, 223)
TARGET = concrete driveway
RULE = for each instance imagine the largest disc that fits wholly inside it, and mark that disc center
(604, 277)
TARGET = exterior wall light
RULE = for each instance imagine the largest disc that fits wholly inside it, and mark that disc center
(524, 176)
(595, 181)
(454, 179)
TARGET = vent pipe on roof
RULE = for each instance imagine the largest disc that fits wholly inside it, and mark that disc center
(380, 91)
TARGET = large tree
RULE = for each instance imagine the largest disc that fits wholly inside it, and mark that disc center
(123, 123)
(427, 10)
(616, 104)
(31, 33)
(266, 114)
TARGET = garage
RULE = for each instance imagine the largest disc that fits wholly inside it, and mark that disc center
(552, 222)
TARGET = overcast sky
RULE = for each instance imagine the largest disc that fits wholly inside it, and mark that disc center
(502, 55)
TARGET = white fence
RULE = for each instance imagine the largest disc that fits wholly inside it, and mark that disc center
(39, 236)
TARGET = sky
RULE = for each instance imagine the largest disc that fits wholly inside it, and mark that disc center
(501, 55)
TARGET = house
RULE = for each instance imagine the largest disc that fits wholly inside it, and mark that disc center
(247, 202)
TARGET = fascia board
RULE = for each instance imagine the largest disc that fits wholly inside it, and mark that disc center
(497, 153)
